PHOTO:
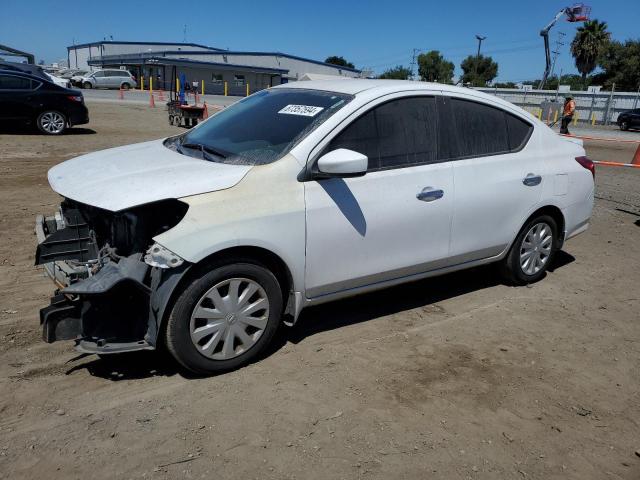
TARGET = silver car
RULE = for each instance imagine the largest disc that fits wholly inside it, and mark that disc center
(109, 78)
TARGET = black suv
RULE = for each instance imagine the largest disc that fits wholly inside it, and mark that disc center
(30, 99)
(629, 119)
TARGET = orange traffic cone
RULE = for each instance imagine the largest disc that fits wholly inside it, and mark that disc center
(152, 102)
(205, 113)
(121, 94)
(636, 157)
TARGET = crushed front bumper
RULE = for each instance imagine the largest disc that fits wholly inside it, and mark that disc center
(107, 305)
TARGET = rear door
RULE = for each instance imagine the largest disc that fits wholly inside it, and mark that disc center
(16, 94)
(498, 176)
(394, 221)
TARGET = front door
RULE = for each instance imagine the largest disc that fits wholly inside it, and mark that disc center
(394, 221)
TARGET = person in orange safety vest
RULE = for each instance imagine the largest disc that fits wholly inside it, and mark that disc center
(567, 114)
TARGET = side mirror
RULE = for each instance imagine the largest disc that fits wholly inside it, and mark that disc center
(342, 163)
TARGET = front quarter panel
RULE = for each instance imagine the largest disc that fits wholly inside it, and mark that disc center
(266, 210)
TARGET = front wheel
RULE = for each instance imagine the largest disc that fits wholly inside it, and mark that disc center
(87, 85)
(532, 252)
(224, 318)
(624, 126)
(51, 122)
(125, 86)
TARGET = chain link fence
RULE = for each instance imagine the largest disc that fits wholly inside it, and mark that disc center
(601, 108)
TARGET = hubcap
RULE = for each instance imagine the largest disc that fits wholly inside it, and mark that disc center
(229, 318)
(52, 122)
(536, 248)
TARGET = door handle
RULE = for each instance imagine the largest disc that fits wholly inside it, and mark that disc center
(428, 194)
(532, 180)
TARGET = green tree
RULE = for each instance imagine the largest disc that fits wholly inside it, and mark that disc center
(334, 60)
(620, 64)
(433, 67)
(396, 73)
(478, 70)
(588, 46)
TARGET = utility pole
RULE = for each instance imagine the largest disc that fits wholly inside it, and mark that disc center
(480, 40)
(556, 52)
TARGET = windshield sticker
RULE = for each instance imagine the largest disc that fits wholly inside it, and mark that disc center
(304, 110)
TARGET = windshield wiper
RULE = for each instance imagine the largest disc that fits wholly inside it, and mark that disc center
(204, 149)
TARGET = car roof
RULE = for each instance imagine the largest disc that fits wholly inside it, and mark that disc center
(22, 74)
(377, 88)
(353, 86)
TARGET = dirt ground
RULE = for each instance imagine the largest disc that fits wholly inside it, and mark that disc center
(453, 377)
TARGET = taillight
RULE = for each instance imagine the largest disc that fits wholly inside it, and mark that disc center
(588, 164)
(75, 98)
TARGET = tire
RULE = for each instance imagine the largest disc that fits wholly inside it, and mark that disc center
(624, 126)
(87, 85)
(51, 122)
(226, 339)
(125, 86)
(515, 267)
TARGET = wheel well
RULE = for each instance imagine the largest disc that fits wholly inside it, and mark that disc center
(259, 255)
(555, 213)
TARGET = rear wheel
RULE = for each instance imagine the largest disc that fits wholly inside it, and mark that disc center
(624, 126)
(125, 86)
(225, 318)
(51, 122)
(532, 252)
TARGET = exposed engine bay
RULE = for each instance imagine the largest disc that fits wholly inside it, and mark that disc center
(113, 281)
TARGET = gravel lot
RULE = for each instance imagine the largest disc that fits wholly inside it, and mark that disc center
(458, 377)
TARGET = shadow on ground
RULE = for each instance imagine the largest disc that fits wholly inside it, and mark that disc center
(29, 130)
(314, 320)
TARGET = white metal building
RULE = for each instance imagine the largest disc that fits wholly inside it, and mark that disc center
(138, 56)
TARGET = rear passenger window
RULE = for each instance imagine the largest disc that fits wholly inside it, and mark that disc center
(395, 134)
(14, 83)
(518, 130)
(481, 129)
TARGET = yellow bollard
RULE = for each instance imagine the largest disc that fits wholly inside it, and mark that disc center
(540, 114)
(555, 116)
(141, 83)
(151, 85)
(575, 118)
(593, 119)
(202, 87)
(225, 89)
(247, 89)
(177, 85)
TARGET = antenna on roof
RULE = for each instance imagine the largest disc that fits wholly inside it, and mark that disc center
(184, 33)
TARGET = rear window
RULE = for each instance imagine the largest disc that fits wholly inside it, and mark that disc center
(481, 129)
(261, 128)
(518, 130)
(9, 82)
(485, 130)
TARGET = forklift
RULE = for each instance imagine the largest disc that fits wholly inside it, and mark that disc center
(181, 114)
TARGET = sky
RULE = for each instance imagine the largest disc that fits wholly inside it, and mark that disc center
(371, 34)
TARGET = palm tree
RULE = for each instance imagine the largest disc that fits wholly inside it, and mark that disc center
(587, 46)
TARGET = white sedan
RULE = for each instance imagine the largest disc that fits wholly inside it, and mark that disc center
(295, 196)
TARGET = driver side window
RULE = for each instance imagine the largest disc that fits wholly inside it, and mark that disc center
(396, 134)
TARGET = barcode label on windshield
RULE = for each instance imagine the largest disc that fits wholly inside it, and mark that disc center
(304, 110)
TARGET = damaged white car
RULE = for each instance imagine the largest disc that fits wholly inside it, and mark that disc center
(295, 196)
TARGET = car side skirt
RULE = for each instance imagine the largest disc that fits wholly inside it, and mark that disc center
(329, 293)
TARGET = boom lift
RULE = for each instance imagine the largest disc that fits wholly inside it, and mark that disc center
(579, 12)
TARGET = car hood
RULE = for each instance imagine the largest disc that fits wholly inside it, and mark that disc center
(124, 177)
